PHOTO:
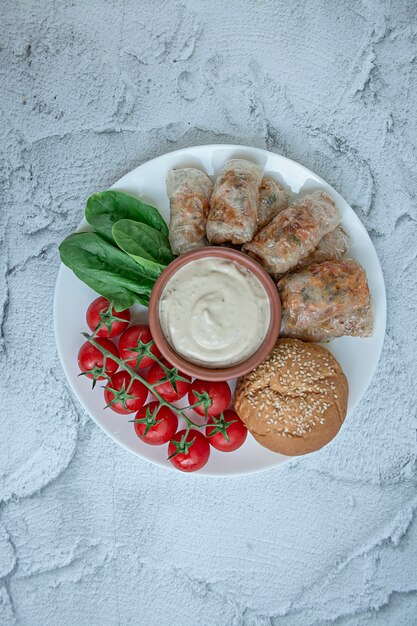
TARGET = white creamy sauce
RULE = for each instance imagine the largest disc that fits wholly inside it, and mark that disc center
(214, 312)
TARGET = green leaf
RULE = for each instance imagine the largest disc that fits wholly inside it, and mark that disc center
(106, 269)
(106, 208)
(151, 269)
(142, 242)
(148, 267)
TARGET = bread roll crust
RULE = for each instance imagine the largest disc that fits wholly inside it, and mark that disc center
(295, 401)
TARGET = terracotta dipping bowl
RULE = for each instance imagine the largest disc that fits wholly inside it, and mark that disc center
(199, 371)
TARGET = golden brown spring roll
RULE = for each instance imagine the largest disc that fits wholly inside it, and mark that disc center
(333, 245)
(189, 191)
(326, 300)
(359, 323)
(234, 203)
(273, 198)
(294, 233)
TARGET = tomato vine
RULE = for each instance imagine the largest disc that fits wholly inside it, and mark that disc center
(172, 375)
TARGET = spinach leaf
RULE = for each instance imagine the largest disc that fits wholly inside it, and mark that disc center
(150, 268)
(108, 207)
(140, 240)
(106, 269)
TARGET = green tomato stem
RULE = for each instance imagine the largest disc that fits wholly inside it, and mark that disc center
(150, 386)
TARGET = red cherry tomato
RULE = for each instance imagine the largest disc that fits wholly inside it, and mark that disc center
(166, 390)
(91, 360)
(196, 455)
(124, 395)
(128, 346)
(158, 425)
(218, 392)
(236, 432)
(100, 313)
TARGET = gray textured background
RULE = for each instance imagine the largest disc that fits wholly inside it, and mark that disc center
(92, 535)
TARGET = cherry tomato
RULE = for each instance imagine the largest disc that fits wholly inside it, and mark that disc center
(128, 346)
(111, 323)
(195, 456)
(124, 395)
(91, 360)
(218, 392)
(236, 432)
(158, 425)
(166, 390)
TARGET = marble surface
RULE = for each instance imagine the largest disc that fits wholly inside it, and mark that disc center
(92, 535)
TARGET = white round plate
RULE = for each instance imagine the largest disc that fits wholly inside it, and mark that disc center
(358, 357)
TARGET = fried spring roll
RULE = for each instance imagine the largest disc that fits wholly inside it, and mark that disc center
(294, 233)
(333, 245)
(326, 300)
(273, 198)
(360, 323)
(189, 192)
(234, 203)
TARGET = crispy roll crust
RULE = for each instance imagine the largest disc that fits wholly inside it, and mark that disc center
(189, 191)
(234, 203)
(294, 233)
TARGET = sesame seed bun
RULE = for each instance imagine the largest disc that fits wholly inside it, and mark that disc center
(295, 401)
